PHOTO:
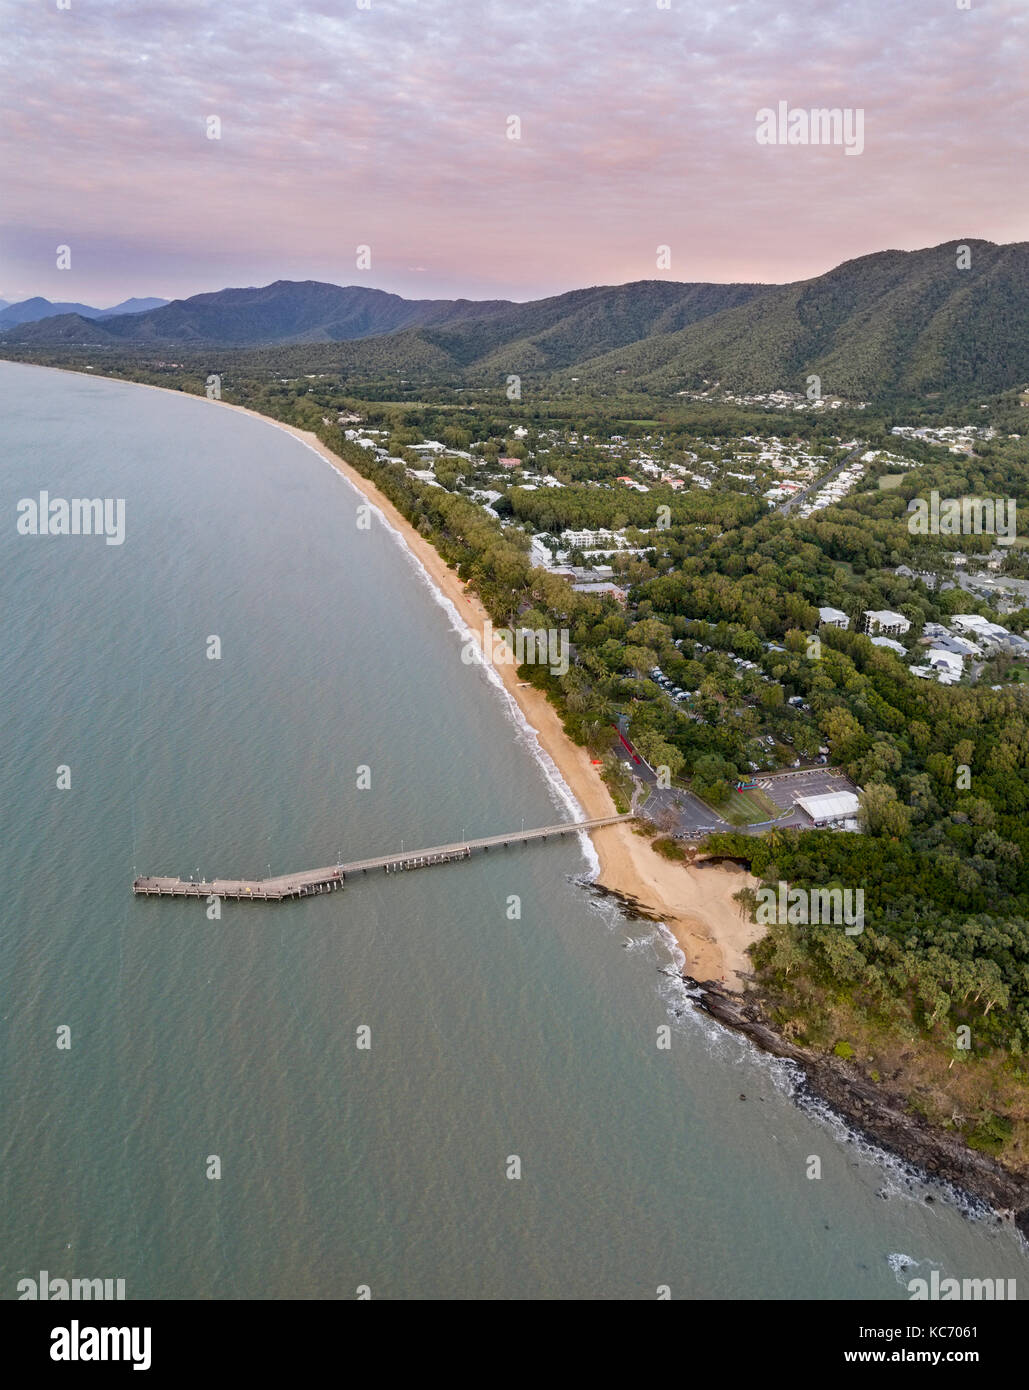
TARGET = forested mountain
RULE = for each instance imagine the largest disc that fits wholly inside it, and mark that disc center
(883, 327)
(449, 335)
(285, 312)
(895, 323)
(571, 328)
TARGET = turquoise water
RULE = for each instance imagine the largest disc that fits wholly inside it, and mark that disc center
(490, 1037)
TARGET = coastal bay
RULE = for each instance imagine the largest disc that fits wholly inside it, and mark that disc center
(490, 1036)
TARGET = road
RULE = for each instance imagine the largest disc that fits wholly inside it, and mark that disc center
(785, 507)
(691, 816)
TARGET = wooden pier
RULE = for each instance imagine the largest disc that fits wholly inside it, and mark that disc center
(311, 882)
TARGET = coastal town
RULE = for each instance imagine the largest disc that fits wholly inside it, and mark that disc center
(538, 484)
(516, 671)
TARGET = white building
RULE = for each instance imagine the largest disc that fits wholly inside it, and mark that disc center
(882, 620)
(981, 627)
(832, 806)
(833, 617)
(592, 540)
(945, 662)
(893, 645)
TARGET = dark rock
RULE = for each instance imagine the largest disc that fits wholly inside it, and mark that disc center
(875, 1112)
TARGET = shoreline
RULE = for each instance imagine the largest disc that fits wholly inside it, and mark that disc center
(694, 902)
(874, 1113)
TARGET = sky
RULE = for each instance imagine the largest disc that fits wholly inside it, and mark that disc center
(387, 124)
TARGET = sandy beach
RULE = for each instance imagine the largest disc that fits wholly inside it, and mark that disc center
(695, 902)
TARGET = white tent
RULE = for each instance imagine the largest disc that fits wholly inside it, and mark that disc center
(830, 806)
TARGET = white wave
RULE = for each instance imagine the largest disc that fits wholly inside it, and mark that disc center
(900, 1264)
(560, 792)
(901, 1178)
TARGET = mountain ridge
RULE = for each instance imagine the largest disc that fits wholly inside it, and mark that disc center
(37, 308)
(953, 316)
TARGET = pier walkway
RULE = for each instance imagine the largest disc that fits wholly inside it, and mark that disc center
(313, 881)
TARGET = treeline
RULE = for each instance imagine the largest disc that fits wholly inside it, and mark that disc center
(587, 508)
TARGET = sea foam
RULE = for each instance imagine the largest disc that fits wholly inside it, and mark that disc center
(560, 792)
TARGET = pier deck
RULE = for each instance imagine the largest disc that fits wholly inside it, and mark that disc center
(310, 882)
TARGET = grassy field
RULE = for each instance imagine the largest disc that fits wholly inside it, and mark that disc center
(747, 808)
(890, 480)
(619, 782)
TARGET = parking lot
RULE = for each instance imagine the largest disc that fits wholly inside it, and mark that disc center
(785, 788)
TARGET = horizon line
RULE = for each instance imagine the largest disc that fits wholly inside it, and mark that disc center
(765, 284)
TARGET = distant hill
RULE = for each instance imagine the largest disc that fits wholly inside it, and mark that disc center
(288, 311)
(892, 324)
(32, 310)
(546, 333)
(131, 306)
(37, 309)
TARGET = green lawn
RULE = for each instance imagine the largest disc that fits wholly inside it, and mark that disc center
(747, 808)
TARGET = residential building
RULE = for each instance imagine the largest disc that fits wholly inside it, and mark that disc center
(885, 622)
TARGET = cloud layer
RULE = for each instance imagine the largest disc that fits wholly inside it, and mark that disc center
(342, 126)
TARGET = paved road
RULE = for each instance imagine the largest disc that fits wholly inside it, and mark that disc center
(691, 816)
(819, 483)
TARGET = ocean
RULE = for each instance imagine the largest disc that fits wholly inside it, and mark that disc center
(512, 1131)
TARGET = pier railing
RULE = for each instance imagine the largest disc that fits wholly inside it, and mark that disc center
(311, 882)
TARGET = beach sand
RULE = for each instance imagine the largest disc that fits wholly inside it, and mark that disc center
(694, 902)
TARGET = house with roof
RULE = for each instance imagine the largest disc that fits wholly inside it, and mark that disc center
(885, 622)
(945, 663)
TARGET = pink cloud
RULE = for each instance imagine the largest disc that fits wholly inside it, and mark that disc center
(387, 127)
